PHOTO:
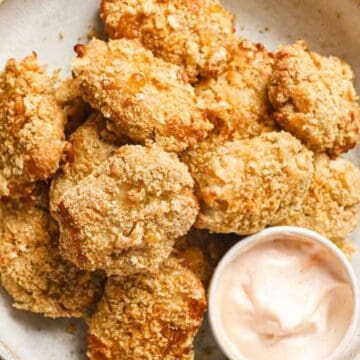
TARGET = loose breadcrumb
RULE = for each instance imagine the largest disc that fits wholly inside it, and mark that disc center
(196, 34)
(31, 127)
(245, 185)
(125, 216)
(71, 329)
(330, 206)
(31, 268)
(237, 100)
(148, 316)
(315, 99)
(145, 98)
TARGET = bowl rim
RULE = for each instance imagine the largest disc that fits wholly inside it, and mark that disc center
(6, 353)
(219, 333)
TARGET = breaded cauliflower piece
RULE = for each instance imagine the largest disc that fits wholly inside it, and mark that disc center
(145, 98)
(237, 100)
(201, 251)
(330, 206)
(125, 216)
(31, 268)
(89, 148)
(315, 99)
(148, 316)
(199, 35)
(31, 127)
(68, 96)
(245, 185)
(347, 247)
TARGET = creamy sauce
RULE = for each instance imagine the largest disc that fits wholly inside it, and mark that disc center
(285, 299)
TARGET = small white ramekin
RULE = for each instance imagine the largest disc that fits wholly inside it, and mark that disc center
(291, 232)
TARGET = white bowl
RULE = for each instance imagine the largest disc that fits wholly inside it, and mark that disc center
(292, 233)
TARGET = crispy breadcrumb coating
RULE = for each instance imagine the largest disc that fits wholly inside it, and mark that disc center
(201, 251)
(145, 98)
(148, 316)
(31, 269)
(315, 99)
(88, 150)
(31, 127)
(126, 215)
(196, 34)
(330, 206)
(237, 100)
(347, 247)
(68, 96)
(245, 185)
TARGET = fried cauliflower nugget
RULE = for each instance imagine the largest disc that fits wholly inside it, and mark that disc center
(31, 268)
(148, 316)
(145, 98)
(347, 247)
(126, 215)
(201, 251)
(330, 206)
(237, 100)
(31, 127)
(245, 185)
(89, 149)
(68, 96)
(315, 99)
(199, 35)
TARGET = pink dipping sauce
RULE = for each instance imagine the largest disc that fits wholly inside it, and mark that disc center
(283, 299)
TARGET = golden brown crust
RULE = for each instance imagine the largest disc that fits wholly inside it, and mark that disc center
(149, 316)
(145, 98)
(330, 206)
(245, 185)
(347, 247)
(31, 127)
(196, 34)
(126, 215)
(201, 251)
(237, 100)
(31, 269)
(315, 99)
(68, 96)
(88, 149)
